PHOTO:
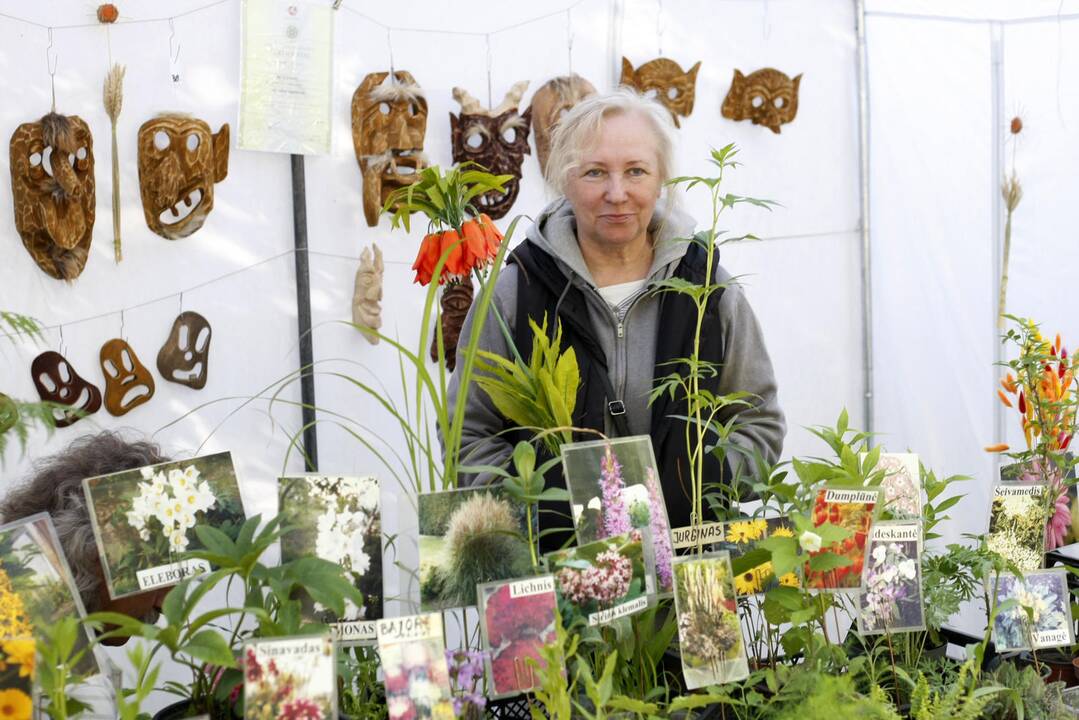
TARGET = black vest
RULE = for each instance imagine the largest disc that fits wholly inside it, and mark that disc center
(543, 290)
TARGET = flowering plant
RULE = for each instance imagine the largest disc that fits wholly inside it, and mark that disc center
(1040, 615)
(168, 503)
(417, 680)
(299, 685)
(891, 596)
(846, 570)
(743, 536)
(466, 681)
(516, 628)
(1017, 528)
(598, 576)
(16, 677)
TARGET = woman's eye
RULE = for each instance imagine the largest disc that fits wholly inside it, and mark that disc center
(636, 172)
(593, 172)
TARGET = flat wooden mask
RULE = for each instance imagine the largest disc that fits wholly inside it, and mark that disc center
(52, 180)
(548, 106)
(56, 381)
(456, 300)
(367, 297)
(128, 383)
(496, 139)
(767, 97)
(664, 80)
(389, 121)
(185, 356)
(179, 163)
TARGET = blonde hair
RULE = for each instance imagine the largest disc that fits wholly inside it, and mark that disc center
(582, 123)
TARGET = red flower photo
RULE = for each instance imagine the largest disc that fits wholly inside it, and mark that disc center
(519, 619)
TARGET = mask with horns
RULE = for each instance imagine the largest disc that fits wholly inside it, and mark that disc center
(664, 80)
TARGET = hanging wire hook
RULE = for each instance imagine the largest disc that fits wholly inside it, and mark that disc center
(174, 54)
(389, 47)
(659, 26)
(121, 324)
(181, 302)
(51, 61)
(569, 38)
(488, 38)
(61, 344)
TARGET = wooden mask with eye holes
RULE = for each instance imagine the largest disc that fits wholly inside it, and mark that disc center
(52, 180)
(389, 120)
(56, 381)
(548, 106)
(456, 300)
(128, 383)
(185, 356)
(767, 97)
(664, 80)
(179, 162)
(495, 139)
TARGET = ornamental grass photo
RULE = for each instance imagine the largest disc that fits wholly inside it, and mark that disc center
(1041, 617)
(891, 598)
(1017, 522)
(468, 537)
(847, 555)
(17, 676)
(518, 619)
(600, 581)
(614, 488)
(742, 536)
(290, 679)
(336, 519)
(709, 631)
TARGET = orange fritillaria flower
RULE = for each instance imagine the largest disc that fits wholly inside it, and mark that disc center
(473, 249)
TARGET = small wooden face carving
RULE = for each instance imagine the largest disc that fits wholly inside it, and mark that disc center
(56, 381)
(128, 383)
(367, 298)
(389, 120)
(179, 162)
(456, 300)
(548, 106)
(767, 97)
(52, 179)
(185, 356)
(664, 80)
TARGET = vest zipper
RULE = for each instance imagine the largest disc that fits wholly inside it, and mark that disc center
(621, 329)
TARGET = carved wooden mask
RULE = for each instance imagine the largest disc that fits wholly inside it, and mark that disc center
(56, 381)
(456, 300)
(367, 298)
(548, 106)
(185, 356)
(179, 162)
(767, 97)
(128, 383)
(664, 80)
(389, 120)
(52, 180)
(496, 139)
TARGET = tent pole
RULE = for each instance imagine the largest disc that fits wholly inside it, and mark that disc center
(866, 257)
(996, 45)
(303, 313)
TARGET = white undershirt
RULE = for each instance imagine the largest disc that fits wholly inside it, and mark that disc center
(615, 295)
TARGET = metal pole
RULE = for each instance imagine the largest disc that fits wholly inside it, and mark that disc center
(866, 256)
(996, 44)
(303, 314)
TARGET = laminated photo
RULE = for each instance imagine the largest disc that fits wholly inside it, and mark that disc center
(614, 488)
(144, 519)
(841, 562)
(413, 654)
(1041, 617)
(891, 598)
(740, 537)
(518, 619)
(17, 677)
(294, 677)
(1017, 520)
(37, 588)
(601, 581)
(709, 630)
(337, 519)
(467, 537)
(901, 486)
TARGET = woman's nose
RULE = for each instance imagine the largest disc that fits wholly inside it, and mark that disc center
(615, 191)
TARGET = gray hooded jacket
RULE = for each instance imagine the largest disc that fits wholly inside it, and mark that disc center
(628, 338)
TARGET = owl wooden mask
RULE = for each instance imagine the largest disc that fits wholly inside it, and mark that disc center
(52, 180)
(389, 120)
(663, 80)
(548, 106)
(496, 139)
(56, 381)
(179, 162)
(185, 356)
(767, 97)
(367, 297)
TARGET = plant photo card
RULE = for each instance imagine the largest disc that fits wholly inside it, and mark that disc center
(709, 630)
(144, 519)
(901, 486)
(840, 564)
(1041, 617)
(36, 585)
(891, 599)
(517, 619)
(294, 677)
(614, 488)
(1017, 520)
(417, 679)
(467, 537)
(601, 581)
(17, 663)
(741, 537)
(337, 519)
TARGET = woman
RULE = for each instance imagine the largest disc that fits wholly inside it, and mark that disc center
(589, 260)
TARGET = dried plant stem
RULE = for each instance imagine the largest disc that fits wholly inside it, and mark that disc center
(1012, 192)
(116, 198)
(113, 94)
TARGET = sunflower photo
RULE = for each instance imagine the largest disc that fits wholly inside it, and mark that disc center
(742, 536)
(601, 581)
(36, 585)
(1017, 520)
(842, 560)
(294, 677)
(17, 662)
(467, 537)
(709, 630)
(144, 519)
(337, 519)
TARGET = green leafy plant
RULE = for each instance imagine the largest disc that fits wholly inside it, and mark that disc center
(59, 654)
(360, 694)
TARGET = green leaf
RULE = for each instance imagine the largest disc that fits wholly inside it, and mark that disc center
(828, 561)
(209, 646)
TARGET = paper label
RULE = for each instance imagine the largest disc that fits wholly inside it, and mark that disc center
(605, 616)
(355, 630)
(1019, 490)
(851, 496)
(895, 533)
(536, 586)
(1051, 638)
(690, 535)
(411, 627)
(170, 574)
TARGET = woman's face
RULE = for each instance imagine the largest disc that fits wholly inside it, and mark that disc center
(614, 188)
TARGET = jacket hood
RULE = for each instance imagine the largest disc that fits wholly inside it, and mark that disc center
(555, 231)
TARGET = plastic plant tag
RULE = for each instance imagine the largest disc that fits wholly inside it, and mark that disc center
(144, 519)
(1041, 616)
(846, 512)
(891, 599)
(337, 519)
(518, 619)
(294, 677)
(601, 581)
(413, 654)
(1017, 518)
(709, 631)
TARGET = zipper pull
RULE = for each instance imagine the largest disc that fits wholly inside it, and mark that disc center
(621, 329)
